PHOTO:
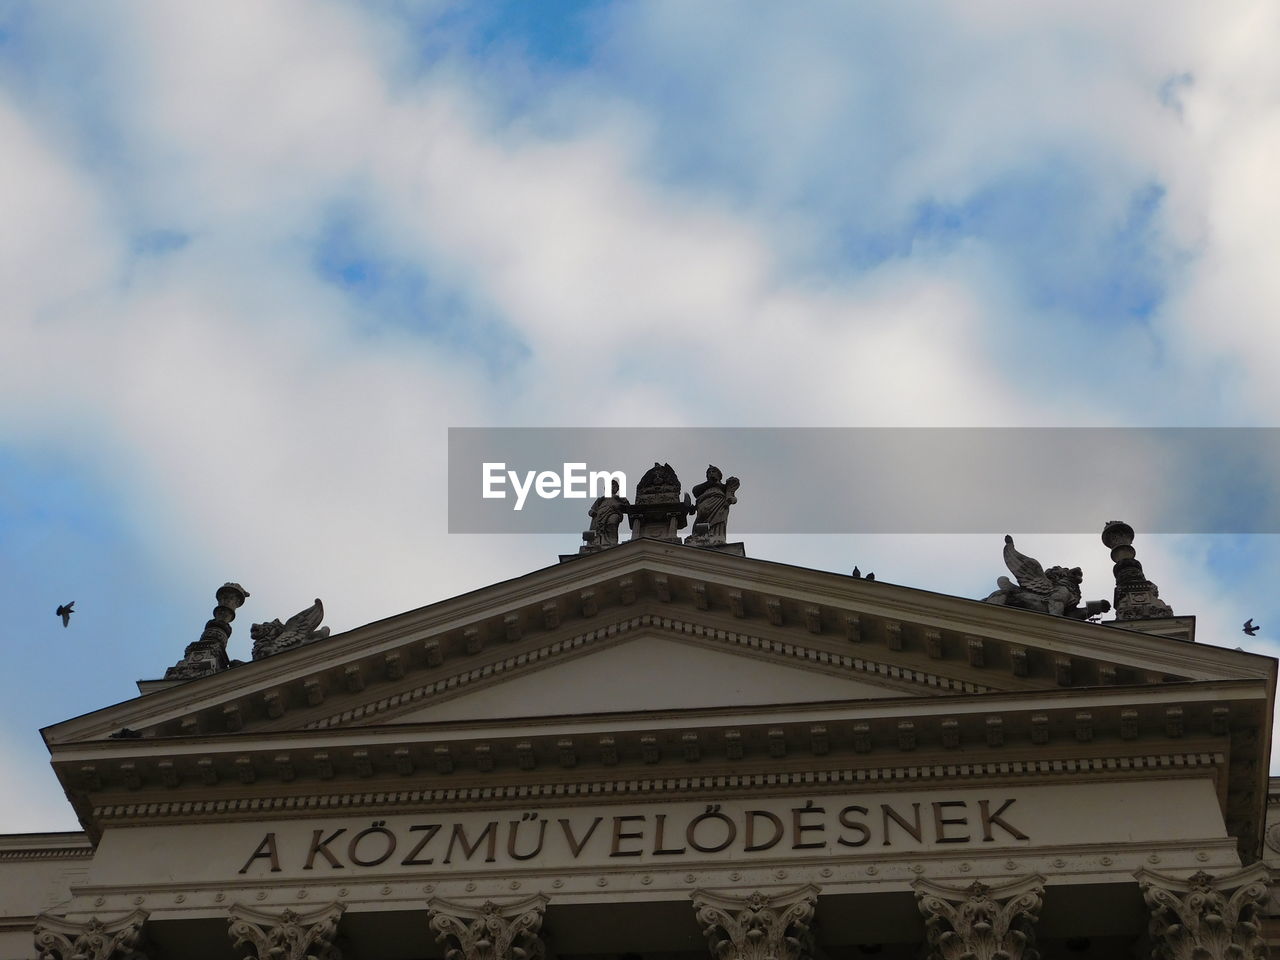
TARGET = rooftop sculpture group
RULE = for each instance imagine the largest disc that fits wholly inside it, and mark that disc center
(660, 511)
(1057, 590)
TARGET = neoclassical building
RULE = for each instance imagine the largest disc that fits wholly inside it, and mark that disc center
(655, 749)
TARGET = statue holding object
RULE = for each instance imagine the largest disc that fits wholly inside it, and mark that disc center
(606, 516)
(712, 500)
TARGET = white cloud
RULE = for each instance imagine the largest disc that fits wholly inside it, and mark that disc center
(258, 431)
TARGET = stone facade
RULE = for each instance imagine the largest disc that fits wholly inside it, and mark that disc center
(659, 749)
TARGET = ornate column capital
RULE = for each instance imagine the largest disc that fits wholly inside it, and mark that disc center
(1206, 917)
(59, 939)
(758, 926)
(492, 931)
(981, 922)
(288, 935)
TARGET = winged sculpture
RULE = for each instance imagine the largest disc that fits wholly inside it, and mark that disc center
(273, 637)
(1055, 591)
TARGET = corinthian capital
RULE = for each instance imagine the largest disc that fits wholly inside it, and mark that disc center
(288, 935)
(981, 922)
(59, 939)
(1205, 917)
(758, 927)
(491, 931)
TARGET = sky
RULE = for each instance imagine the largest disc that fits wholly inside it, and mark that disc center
(258, 257)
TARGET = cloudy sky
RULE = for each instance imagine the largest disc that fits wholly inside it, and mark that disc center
(257, 258)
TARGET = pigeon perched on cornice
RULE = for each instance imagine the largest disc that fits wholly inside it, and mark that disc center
(65, 612)
(1249, 628)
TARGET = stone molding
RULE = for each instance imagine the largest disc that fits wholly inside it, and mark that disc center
(981, 922)
(643, 563)
(471, 679)
(758, 926)
(59, 939)
(923, 775)
(288, 935)
(1204, 917)
(491, 931)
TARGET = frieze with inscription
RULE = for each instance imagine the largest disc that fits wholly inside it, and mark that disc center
(435, 842)
(716, 831)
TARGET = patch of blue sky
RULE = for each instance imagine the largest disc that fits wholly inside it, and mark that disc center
(63, 537)
(555, 32)
(1059, 250)
(159, 242)
(555, 35)
(392, 293)
(57, 65)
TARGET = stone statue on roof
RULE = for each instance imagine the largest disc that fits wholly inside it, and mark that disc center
(606, 516)
(1055, 591)
(271, 638)
(712, 500)
(659, 512)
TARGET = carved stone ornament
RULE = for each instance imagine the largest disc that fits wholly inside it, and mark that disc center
(492, 931)
(758, 927)
(1055, 591)
(1137, 598)
(981, 922)
(208, 655)
(658, 511)
(271, 638)
(59, 939)
(287, 936)
(1205, 917)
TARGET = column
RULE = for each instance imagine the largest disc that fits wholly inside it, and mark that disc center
(758, 926)
(60, 939)
(288, 935)
(981, 922)
(1206, 917)
(491, 931)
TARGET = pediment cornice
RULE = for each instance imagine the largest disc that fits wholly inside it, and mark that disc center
(902, 637)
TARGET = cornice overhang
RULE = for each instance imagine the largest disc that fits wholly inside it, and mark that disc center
(952, 644)
(262, 726)
(1195, 728)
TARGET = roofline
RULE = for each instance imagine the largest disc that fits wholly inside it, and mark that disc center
(1034, 626)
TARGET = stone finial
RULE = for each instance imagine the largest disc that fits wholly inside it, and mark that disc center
(758, 927)
(1137, 598)
(1207, 918)
(289, 935)
(60, 939)
(491, 931)
(1055, 591)
(658, 512)
(606, 515)
(209, 654)
(712, 500)
(271, 638)
(979, 922)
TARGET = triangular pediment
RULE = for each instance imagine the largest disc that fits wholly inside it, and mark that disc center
(651, 626)
(649, 672)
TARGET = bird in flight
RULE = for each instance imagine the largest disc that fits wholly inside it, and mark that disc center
(65, 612)
(1249, 628)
